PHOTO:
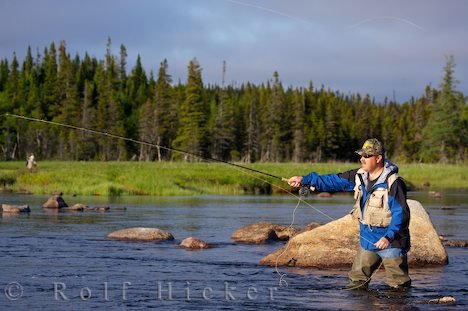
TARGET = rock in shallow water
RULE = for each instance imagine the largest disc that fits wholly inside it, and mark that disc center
(255, 234)
(335, 244)
(76, 207)
(55, 201)
(15, 209)
(261, 232)
(448, 300)
(194, 243)
(456, 243)
(141, 234)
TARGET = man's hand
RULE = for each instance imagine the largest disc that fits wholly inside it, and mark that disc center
(295, 181)
(383, 243)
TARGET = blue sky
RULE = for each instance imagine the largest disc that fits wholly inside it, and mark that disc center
(377, 47)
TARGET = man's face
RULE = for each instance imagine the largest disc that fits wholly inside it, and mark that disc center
(370, 163)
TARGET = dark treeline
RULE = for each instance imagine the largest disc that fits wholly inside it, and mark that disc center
(251, 123)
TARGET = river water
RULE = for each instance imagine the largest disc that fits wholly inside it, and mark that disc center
(63, 261)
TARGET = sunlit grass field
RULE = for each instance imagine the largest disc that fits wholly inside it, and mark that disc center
(179, 178)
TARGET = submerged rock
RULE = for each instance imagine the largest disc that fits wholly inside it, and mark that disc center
(55, 201)
(456, 243)
(444, 300)
(85, 208)
(102, 208)
(141, 234)
(194, 243)
(435, 194)
(77, 207)
(15, 209)
(335, 244)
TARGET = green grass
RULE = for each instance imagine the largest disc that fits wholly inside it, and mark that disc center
(177, 178)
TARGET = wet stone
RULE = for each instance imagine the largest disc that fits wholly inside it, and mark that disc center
(15, 209)
(194, 243)
(141, 234)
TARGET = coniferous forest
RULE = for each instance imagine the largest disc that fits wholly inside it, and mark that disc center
(268, 122)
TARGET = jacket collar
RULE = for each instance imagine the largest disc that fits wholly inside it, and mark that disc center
(389, 169)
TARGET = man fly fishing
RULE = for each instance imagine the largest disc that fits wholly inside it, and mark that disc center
(382, 212)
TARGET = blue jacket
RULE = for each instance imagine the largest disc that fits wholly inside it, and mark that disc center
(397, 232)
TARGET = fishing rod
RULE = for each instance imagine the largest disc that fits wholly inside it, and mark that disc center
(303, 191)
(84, 129)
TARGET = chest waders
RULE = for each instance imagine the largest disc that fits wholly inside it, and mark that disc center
(376, 213)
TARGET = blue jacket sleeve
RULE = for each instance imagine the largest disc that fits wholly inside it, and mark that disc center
(331, 182)
(399, 209)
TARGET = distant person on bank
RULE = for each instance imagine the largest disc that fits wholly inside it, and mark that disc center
(382, 212)
(31, 163)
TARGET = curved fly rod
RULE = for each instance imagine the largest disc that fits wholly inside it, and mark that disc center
(302, 192)
(84, 129)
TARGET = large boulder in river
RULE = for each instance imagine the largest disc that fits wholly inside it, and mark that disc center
(15, 209)
(426, 246)
(55, 201)
(141, 234)
(335, 244)
(261, 232)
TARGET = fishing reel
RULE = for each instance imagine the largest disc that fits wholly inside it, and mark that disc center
(304, 191)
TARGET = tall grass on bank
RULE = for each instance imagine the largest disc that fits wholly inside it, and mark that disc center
(178, 178)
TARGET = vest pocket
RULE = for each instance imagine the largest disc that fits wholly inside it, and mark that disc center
(380, 218)
(376, 212)
(376, 200)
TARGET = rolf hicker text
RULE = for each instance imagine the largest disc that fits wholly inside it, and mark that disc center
(163, 291)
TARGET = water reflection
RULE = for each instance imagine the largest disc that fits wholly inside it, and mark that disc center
(48, 247)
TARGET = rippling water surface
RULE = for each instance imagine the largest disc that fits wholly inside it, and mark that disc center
(63, 261)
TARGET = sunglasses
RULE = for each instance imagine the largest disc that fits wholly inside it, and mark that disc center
(367, 156)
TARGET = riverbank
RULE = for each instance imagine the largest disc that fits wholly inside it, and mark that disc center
(179, 179)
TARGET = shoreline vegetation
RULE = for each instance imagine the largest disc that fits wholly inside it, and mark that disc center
(201, 178)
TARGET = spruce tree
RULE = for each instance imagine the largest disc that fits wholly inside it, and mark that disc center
(223, 129)
(299, 124)
(280, 117)
(192, 135)
(441, 135)
(250, 102)
(166, 113)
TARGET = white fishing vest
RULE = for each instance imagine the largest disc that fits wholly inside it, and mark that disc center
(376, 210)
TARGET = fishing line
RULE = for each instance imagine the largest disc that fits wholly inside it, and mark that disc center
(84, 129)
(241, 168)
(367, 20)
(282, 276)
(296, 18)
(262, 8)
(282, 281)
